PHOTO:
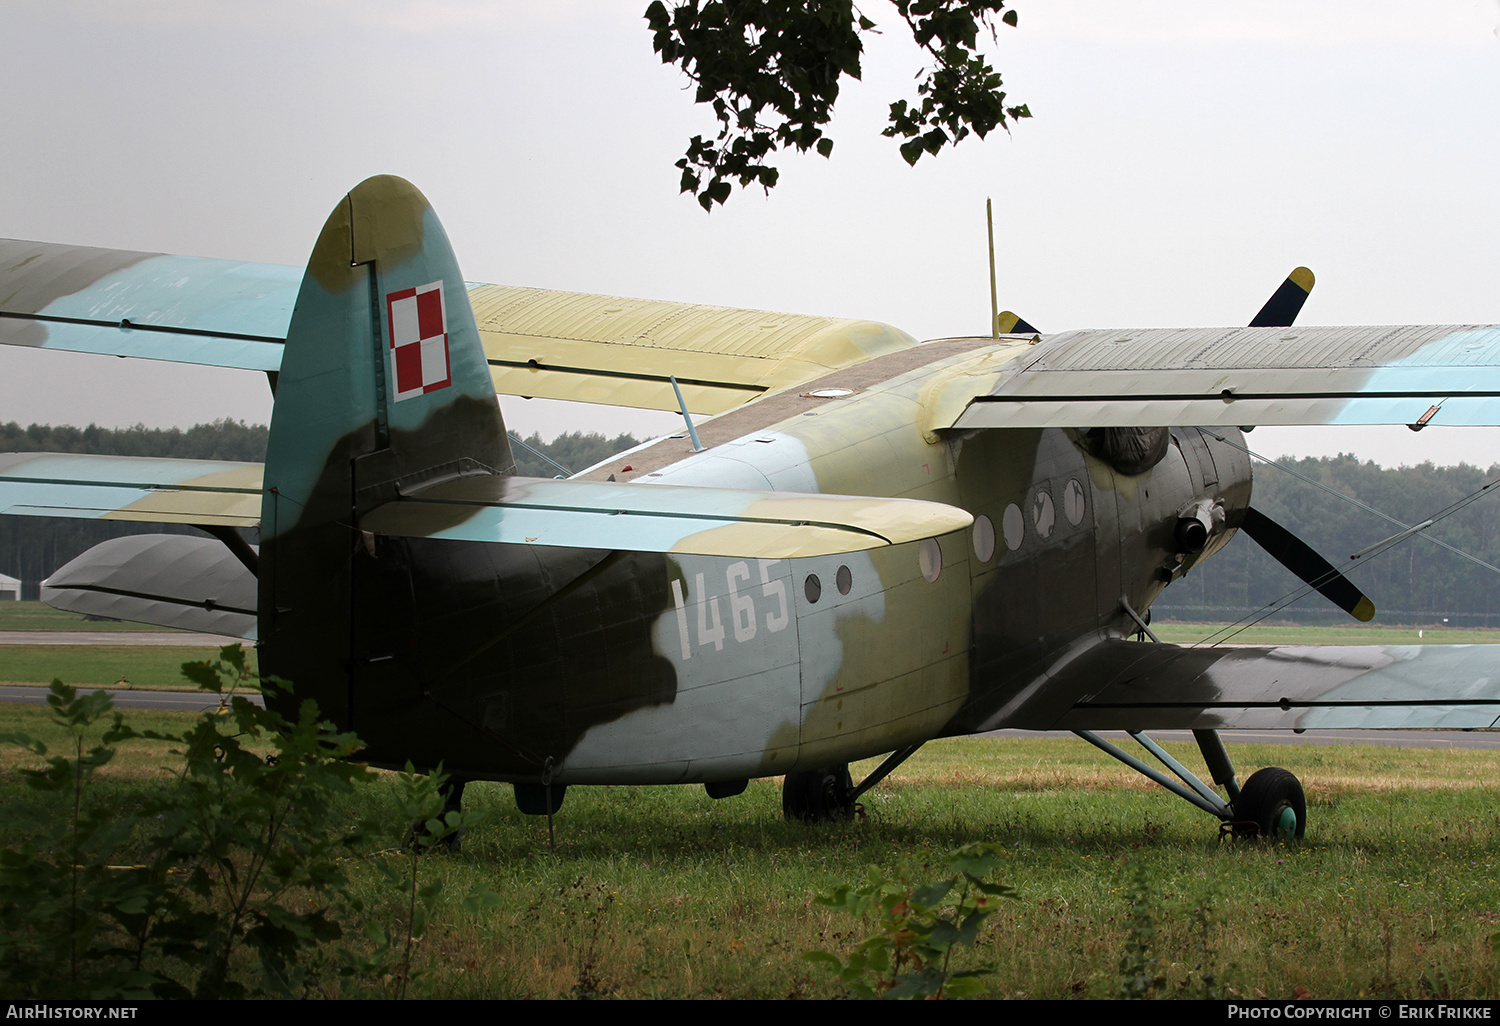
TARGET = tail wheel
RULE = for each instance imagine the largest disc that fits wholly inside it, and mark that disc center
(1272, 799)
(818, 795)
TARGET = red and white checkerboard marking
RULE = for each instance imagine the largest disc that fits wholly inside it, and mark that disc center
(419, 340)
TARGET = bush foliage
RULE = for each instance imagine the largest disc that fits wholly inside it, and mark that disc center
(234, 881)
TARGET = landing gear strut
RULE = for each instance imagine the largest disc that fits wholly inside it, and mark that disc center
(1271, 804)
(829, 794)
(819, 795)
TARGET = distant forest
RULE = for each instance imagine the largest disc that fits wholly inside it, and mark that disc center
(31, 548)
(1417, 581)
(1414, 582)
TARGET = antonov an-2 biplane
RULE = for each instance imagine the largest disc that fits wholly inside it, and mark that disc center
(869, 542)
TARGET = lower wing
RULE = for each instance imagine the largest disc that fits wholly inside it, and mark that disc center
(1129, 685)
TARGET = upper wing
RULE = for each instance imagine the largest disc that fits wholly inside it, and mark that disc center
(186, 309)
(1416, 375)
(625, 352)
(1133, 685)
(556, 345)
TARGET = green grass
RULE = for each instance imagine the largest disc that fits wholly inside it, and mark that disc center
(38, 616)
(1344, 634)
(662, 892)
(102, 666)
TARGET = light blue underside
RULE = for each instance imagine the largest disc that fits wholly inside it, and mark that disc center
(1465, 362)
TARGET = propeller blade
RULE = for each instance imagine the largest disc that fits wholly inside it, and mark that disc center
(1286, 302)
(1298, 557)
(1008, 323)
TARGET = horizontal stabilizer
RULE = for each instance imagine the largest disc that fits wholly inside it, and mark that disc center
(163, 491)
(513, 510)
(1415, 375)
(659, 518)
(1128, 685)
(170, 580)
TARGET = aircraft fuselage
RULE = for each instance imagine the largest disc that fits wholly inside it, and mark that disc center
(520, 662)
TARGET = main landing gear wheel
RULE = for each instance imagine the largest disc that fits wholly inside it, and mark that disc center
(819, 795)
(1272, 799)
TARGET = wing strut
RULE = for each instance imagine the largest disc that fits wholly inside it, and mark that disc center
(1200, 794)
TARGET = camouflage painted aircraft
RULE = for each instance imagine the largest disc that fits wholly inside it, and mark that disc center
(869, 543)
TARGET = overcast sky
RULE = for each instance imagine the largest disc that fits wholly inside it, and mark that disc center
(1182, 158)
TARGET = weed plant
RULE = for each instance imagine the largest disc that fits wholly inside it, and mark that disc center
(228, 878)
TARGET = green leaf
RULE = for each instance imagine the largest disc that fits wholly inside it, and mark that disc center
(963, 985)
(203, 675)
(976, 860)
(824, 958)
(24, 741)
(234, 655)
(481, 898)
(929, 895)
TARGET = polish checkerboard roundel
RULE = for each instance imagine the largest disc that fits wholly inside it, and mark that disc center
(419, 340)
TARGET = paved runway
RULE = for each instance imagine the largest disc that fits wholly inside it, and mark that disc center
(131, 698)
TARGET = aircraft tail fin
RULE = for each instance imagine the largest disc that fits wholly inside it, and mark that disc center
(383, 386)
(383, 362)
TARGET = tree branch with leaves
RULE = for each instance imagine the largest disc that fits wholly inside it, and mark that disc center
(772, 69)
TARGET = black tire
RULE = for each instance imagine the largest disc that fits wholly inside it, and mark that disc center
(1266, 797)
(818, 795)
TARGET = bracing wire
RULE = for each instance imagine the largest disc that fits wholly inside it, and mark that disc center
(1223, 634)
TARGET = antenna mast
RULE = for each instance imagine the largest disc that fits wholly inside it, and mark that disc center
(989, 220)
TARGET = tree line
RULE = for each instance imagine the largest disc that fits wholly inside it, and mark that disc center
(1415, 581)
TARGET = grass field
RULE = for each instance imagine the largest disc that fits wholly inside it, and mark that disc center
(89, 666)
(662, 892)
(38, 616)
(1343, 634)
(102, 666)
